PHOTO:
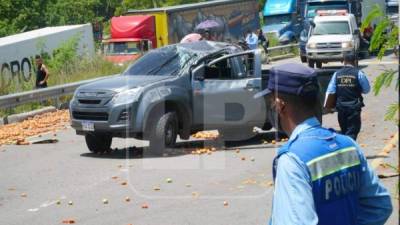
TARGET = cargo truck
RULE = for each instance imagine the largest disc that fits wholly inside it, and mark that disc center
(17, 52)
(139, 30)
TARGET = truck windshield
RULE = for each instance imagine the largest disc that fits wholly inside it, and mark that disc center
(121, 48)
(277, 19)
(331, 28)
(167, 61)
(313, 7)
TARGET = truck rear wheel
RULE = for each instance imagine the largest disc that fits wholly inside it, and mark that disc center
(163, 133)
(311, 63)
(318, 64)
(98, 143)
(303, 58)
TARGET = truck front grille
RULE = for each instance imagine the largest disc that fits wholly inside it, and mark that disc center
(329, 45)
(90, 101)
(95, 116)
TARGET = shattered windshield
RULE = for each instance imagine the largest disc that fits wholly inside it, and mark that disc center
(167, 61)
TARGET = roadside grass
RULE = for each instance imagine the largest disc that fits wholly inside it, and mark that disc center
(77, 69)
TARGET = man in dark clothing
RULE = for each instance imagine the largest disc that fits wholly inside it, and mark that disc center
(348, 84)
(263, 41)
(42, 74)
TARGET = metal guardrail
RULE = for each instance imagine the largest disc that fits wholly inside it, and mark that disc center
(283, 47)
(12, 100)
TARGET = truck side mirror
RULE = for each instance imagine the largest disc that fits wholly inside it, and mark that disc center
(356, 32)
(198, 73)
(312, 23)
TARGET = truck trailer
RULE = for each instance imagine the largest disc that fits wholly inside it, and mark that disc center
(168, 25)
(17, 52)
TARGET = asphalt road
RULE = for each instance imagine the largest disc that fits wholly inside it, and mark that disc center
(227, 187)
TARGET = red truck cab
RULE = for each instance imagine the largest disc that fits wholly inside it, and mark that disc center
(131, 36)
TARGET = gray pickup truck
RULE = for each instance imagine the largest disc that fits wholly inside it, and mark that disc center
(175, 90)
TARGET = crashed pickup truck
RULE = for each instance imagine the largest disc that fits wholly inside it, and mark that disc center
(176, 90)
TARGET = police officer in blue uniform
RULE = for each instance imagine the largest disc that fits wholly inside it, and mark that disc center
(321, 177)
(348, 84)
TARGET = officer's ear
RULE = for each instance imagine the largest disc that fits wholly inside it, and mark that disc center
(280, 104)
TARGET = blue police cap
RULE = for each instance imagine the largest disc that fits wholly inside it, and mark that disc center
(292, 78)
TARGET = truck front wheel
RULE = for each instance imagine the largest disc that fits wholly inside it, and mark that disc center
(303, 58)
(318, 64)
(163, 133)
(98, 143)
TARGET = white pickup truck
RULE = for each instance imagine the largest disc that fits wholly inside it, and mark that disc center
(330, 36)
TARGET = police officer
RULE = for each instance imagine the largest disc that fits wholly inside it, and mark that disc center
(321, 177)
(348, 84)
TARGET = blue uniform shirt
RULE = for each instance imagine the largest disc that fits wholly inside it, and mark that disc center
(363, 80)
(293, 201)
(252, 41)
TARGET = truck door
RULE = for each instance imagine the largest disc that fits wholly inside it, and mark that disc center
(223, 91)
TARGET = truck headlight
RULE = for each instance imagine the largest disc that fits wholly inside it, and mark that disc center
(312, 45)
(126, 97)
(347, 44)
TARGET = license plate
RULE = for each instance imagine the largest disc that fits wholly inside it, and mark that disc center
(87, 126)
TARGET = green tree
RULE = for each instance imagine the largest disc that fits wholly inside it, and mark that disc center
(385, 37)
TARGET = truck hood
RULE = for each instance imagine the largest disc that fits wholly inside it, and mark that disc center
(122, 82)
(329, 38)
(274, 28)
(122, 58)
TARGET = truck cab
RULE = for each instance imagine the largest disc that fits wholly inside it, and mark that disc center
(330, 36)
(131, 37)
(282, 19)
(124, 50)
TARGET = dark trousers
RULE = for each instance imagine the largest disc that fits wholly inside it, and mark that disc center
(350, 122)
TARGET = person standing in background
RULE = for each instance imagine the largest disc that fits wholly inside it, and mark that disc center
(42, 73)
(251, 40)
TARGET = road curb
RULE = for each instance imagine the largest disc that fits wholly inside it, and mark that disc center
(23, 116)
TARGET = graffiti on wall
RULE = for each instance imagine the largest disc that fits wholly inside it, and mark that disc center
(234, 20)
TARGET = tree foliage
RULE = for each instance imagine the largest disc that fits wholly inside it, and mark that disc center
(23, 15)
(385, 37)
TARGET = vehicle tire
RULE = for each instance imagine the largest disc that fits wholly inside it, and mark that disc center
(163, 133)
(318, 64)
(97, 142)
(311, 63)
(236, 134)
(303, 59)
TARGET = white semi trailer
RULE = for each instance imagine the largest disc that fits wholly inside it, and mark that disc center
(17, 52)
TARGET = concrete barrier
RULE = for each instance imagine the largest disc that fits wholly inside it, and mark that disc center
(23, 116)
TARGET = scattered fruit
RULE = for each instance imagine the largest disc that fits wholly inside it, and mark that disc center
(127, 199)
(58, 202)
(273, 142)
(237, 150)
(252, 159)
(145, 206)
(124, 183)
(114, 177)
(24, 195)
(168, 180)
(68, 221)
(225, 203)
(188, 185)
(105, 201)
(243, 158)
(70, 203)
(156, 188)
